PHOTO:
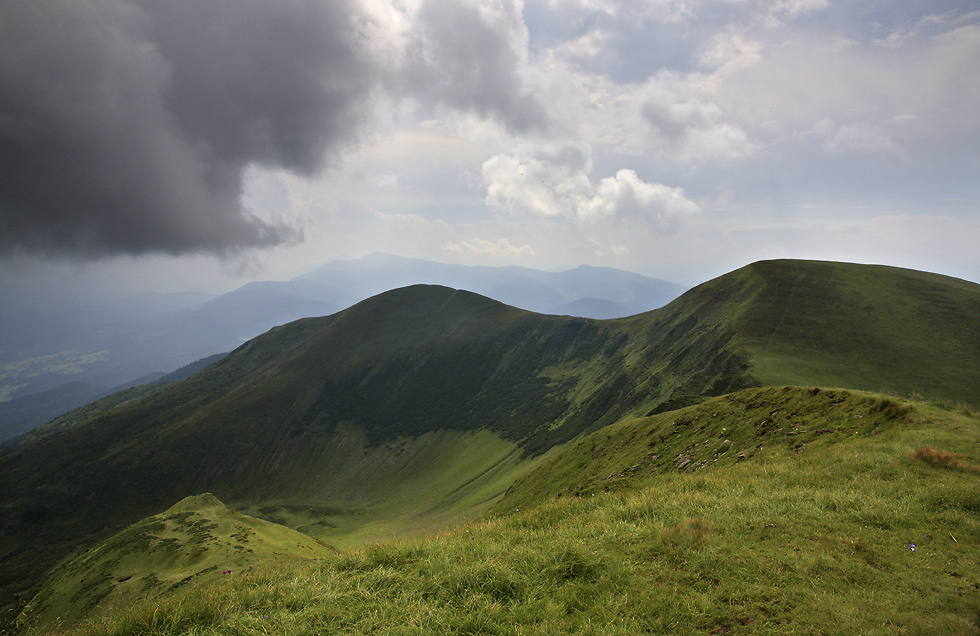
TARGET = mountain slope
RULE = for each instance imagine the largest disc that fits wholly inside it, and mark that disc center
(871, 531)
(19, 415)
(123, 338)
(720, 431)
(868, 327)
(196, 541)
(442, 393)
(421, 405)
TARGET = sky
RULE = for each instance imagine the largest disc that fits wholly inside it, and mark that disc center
(201, 144)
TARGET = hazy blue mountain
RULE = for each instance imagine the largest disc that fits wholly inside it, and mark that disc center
(531, 289)
(592, 307)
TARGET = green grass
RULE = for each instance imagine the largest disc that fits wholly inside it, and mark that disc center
(864, 327)
(813, 541)
(197, 541)
(752, 423)
(410, 486)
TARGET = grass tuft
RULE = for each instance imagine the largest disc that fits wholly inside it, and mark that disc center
(944, 459)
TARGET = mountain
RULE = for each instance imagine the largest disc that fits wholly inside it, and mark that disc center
(866, 327)
(114, 340)
(620, 293)
(420, 406)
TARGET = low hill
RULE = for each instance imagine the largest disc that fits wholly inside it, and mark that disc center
(420, 406)
(871, 528)
(196, 541)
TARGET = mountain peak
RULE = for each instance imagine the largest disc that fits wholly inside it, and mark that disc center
(195, 503)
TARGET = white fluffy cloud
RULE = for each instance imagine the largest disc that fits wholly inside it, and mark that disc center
(547, 182)
(556, 184)
(626, 195)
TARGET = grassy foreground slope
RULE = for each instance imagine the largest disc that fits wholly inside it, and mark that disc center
(870, 528)
(724, 430)
(195, 542)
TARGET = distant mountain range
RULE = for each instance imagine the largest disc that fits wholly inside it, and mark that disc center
(73, 357)
(423, 404)
(586, 292)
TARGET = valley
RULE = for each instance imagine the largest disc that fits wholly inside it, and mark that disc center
(590, 476)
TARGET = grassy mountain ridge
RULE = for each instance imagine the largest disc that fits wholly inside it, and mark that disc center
(720, 431)
(872, 529)
(869, 327)
(423, 404)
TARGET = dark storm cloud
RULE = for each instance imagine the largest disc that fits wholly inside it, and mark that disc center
(126, 127)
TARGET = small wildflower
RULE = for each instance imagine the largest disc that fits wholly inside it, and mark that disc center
(912, 547)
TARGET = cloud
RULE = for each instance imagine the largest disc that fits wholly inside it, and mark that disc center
(472, 56)
(857, 136)
(502, 247)
(548, 182)
(626, 195)
(554, 182)
(690, 128)
(126, 127)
